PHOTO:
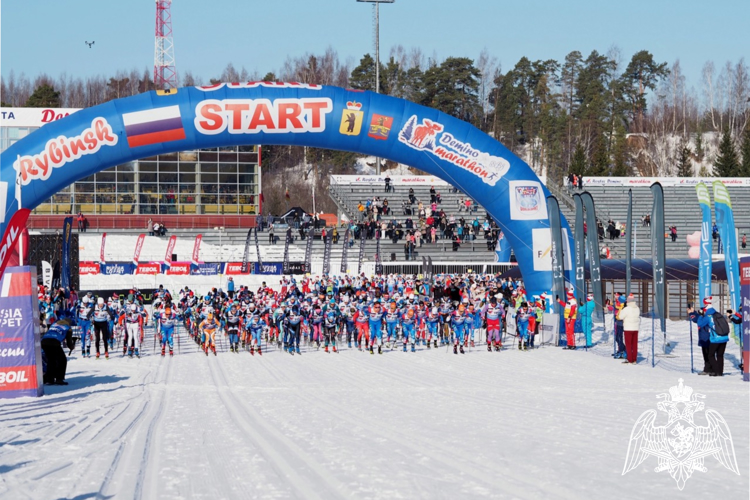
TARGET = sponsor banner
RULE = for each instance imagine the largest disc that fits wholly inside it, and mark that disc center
(65, 266)
(177, 269)
(556, 241)
(197, 249)
(148, 268)
(170, 250)
(257, 246)
(236, 268)
(10, 238)
(704, 262)
(62, 150)
(268, 268)
(246, 254)
(345, 252)
(116, 268)
(138, 247)
(728, 235)
(206, 269)
(20, 348)
(32, 117)
(580, 250)
(432, 138)
(149, 294)
(396, 180)
(549, 329)
(595, 268)
(101, 251)
(47, 273)
(541, 242)
(287, 242)
(87, 268)
(629, 243)
(664, 181)
(527, 200)
(745, 292)
(327, 252)
(658, 252)
(297, 268)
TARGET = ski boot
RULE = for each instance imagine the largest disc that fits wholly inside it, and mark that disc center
(350, 345)
(489, 347)
(520, 344)
(297, 350)
(252, 351)
(380, 349)
(137, 354)
(413, 348)
(162, 351)
(455, 349)
(371, 350)
(435, 343)
(326, 349)
(125, 352)
(106, 355)
(213, 348)
(461, 349)
(259, 352)
(97, 354)
(130, 354)
(471, 343)
(334, 349)
(404, 347)
(429, 345)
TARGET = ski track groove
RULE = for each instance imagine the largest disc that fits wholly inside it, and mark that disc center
(302, 477)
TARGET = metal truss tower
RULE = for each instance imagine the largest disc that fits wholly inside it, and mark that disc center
(165, 74)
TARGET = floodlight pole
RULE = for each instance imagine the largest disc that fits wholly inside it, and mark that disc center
(377, 55)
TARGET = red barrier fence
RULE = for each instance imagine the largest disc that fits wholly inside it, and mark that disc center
(140, 221)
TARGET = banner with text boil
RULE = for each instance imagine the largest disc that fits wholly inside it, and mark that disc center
(297, 114)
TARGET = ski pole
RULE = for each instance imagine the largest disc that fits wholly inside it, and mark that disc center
(691, 348)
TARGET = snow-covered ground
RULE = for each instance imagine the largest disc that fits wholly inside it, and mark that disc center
(532, 425)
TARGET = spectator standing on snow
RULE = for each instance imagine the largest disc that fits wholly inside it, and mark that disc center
(631, 322)
(704, 334)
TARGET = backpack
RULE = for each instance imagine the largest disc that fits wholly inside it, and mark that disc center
(721, 327)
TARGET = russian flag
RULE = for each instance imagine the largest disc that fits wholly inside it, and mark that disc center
(15, 284)
(153, 126)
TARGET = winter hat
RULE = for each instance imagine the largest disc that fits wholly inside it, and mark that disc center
(708, 301)
(590, 297)
(570, 294)
(100, 301)
(621, 299)
(631, 298)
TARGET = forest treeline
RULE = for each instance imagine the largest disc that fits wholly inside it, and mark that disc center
(590, 114)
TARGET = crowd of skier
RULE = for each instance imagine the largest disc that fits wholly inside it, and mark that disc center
(328, 313)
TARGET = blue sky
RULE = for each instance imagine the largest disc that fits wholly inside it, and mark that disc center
(47, 36)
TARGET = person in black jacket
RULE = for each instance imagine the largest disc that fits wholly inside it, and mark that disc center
(57, 362)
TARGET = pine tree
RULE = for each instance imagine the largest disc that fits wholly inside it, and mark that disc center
(684, 162)
(578, 165)
(726, 164)
(620, 153)
(745, 150)
(699, 145)
(600, 159)
(44, 96)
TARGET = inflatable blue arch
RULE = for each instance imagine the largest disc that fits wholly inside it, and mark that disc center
(228, 114)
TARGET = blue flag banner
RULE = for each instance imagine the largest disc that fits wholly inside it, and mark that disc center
(629, 242)
(728, 233)
(580, 250)
(65, 265)
(704, 263)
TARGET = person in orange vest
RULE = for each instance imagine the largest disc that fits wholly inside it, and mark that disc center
(570, 314)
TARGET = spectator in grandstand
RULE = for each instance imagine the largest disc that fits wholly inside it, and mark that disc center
(744, 241)
(580, 182)
(150, 227)
(460, 204)
(81, 223)
(412, 198)
(432, 195)
(438, 198)
(271, 237)
(673, 233)
(388, 187)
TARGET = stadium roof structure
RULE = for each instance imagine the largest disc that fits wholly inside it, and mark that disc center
(641, 269)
